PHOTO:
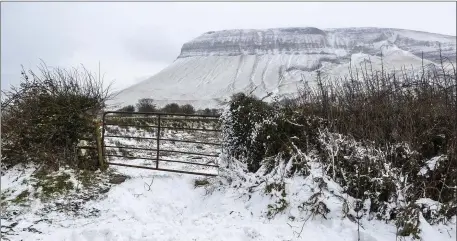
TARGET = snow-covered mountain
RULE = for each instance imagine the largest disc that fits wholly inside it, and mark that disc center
(217, 64)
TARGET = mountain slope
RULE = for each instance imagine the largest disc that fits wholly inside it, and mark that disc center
(215, 65)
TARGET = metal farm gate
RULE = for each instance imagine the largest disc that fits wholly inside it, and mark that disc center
(179, 143)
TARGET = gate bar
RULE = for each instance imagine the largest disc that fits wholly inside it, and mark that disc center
(164, 160)
(163, 127)
(163, 169)
(133, 148)
(160, 113)
(152, 118)
(163, 150)
(192, 153)
(175, 140)
(158, 141)
(196, 142)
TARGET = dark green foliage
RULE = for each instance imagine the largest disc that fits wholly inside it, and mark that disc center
(279, 206)
(408, 221)
(128, 108)
(209, 111)
(45, 118)
(22, 197)
(51, 185)
(146, 105)
(187, 109)
(274, 187)
(201, 182)
(172, 108)
(315, 205)
(245, 112)
(278, 190)
(206, 111)
(257, 132)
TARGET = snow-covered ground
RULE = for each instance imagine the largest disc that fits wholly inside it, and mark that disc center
(153, 205)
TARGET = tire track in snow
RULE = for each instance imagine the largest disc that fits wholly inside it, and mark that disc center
(254, 68)
(238, 71)
(208, 77)
(283, 72)
(264, 73)
(175, 74)
(208, 65)
(186, 71)
(252, 86)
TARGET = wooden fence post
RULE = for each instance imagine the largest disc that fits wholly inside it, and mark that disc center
(101, 161)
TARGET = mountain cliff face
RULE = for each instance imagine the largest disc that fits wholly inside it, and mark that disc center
(217, 64)
(339, 42)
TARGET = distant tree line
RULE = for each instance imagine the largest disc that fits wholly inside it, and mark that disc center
(148, 105)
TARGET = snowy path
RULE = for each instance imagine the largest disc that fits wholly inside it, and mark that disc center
(172, 209)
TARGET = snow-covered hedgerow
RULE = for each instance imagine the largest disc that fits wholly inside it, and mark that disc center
(389, 182)
(47, 118)
(239, 128)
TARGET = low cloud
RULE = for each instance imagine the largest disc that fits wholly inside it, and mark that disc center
(140, 38)
(151, 44)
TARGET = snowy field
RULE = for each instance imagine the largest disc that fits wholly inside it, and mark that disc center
(152, 205)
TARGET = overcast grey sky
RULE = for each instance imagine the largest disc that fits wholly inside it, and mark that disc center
(136, 40)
